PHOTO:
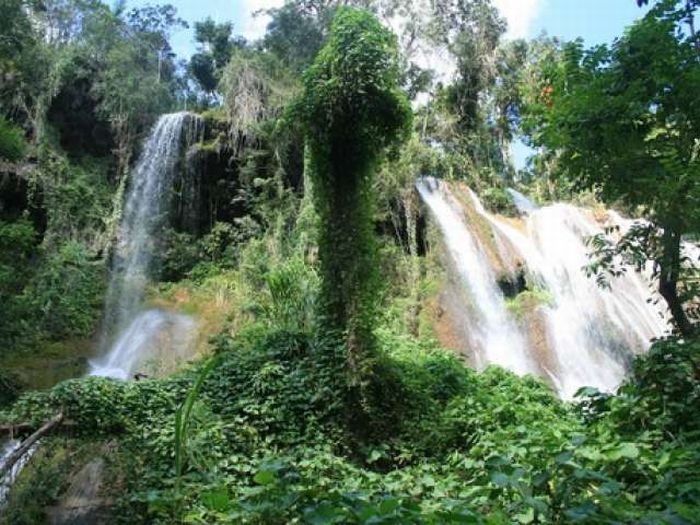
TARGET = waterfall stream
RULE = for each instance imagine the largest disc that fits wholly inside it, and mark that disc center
(131, 335)
(590, 333)
(493, 331)
(6, 449)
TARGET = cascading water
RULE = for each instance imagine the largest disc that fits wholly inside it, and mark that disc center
(7, 448)
(492, 331)
(590, 333)
(129, 333)
(151, 333)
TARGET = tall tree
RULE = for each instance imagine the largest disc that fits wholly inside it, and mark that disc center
(627, 120)
(351, 110)
(471, 30)
(216, 44)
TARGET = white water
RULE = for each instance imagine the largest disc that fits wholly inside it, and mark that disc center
(152, 334)
(129, 334)
(131, 337)
(494, 333)
(521, 202)
(591, 333)
(6, 449)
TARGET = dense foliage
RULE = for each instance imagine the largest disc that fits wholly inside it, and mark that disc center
(625, 120)
(351, 110)
(296, 238)
(268, 443)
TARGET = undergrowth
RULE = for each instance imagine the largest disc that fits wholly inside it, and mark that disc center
(271, 439)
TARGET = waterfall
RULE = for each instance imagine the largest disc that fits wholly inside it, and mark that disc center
(593, 332)
(521, 202)
(128, 332)
(6, 449)
(130, 335)
(493, 333)
(590, 333)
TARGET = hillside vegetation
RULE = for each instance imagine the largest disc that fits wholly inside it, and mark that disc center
(318, 391)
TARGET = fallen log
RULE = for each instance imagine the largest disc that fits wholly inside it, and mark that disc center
(25, 427)
(27, 444)
(19, 427)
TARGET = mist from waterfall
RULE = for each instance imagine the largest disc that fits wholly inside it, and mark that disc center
(126, 328)
(591, 333)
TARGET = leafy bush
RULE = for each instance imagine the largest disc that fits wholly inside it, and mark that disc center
(498, 200)
(18, 241)
(271, 441)
(179, 254)
(12, 143)
(662, 393)
(64, 298)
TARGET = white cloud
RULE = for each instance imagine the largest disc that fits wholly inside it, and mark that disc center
(520, 15)
(253, 27)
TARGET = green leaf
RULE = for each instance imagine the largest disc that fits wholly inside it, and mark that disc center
(388, 506)
(500, 479)
(265, 477)
(216, 500)
(624, 450)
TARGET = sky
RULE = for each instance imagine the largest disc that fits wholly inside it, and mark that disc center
(596, 21)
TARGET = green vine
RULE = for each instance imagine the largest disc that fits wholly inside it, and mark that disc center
(351, 111)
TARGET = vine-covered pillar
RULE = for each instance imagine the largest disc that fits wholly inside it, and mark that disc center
(351, 110)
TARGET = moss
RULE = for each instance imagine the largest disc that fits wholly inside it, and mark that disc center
(48, 363)
(498, 200)
(216, 121)
(529, 300)
(215, 115)
(208, 147)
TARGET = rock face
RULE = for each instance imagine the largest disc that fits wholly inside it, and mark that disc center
(81, 504)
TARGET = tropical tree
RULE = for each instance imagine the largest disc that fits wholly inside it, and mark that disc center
(471, 31)
(626, 120)
(351, 111)
(216, 45)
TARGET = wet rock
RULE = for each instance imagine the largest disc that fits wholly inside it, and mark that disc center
(81, 504)
(512, 284)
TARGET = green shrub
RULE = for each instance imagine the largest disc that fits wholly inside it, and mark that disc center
(18, 241)
(12, 143)
(269, 439)
(18, 247)
(179, 254)
(498, 200)
(64, 298)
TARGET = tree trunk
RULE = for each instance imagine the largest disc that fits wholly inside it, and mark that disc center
(669, 271)
(411, 211)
